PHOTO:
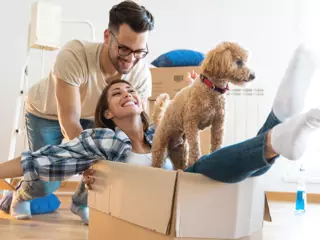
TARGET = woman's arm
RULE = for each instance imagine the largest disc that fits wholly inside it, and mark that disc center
(11, 169)
(56, 163)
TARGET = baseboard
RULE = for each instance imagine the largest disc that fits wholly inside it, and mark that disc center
(291, 197)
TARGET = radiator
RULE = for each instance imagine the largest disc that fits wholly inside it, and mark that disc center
(243, 114)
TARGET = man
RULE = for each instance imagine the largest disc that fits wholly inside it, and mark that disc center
(63, 105)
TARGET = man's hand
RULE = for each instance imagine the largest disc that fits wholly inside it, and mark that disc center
(69, 109)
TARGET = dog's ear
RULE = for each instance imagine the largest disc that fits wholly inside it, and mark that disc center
(217, 63)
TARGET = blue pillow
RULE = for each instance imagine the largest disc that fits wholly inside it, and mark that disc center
(179, 58)
(44, 205)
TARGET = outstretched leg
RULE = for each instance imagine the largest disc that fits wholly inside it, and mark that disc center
(240, 161)
(291, 94)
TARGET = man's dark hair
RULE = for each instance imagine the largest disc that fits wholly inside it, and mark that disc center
(128, 12)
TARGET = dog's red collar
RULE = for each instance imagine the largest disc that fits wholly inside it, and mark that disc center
(207, 82)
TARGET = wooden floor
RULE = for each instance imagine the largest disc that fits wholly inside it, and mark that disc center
(60, 225)
(63, 225)
(287, 225)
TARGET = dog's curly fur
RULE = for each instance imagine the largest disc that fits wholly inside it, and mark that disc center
(197, 107)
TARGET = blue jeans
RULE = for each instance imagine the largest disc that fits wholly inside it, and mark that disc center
(42, 132)
(237, 162)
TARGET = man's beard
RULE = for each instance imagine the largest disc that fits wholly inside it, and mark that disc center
(115, 63)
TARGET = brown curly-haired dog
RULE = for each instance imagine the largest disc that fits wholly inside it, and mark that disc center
(198, 106)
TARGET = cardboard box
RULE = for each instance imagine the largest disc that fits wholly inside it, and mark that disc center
(137, 202)
(169, 80)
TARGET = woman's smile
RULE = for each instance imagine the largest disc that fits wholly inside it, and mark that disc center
(129, 102)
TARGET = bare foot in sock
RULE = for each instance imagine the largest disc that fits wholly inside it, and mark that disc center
(291, 94)
(290, 139)
(82, 212)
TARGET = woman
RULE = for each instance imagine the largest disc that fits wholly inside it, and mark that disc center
(122, 129)
(123, 134)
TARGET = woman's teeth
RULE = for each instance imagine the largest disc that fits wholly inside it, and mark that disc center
(130, 103)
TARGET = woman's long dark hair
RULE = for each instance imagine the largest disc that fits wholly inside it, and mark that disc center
(101, 121)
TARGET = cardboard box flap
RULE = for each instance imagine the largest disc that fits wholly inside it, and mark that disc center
(4, 185)
(217, 210)
(136, 194)
(267, 214)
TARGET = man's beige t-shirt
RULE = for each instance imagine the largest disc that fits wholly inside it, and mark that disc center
(78, 64)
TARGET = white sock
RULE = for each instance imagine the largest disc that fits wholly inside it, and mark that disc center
(291, 94)
(82, 212)
(20, 210)
(290, 138)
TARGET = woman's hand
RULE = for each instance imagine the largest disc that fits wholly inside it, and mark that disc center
(88, 178)
(191, 77)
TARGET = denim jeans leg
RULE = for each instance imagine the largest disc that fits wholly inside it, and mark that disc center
(237, 162)
(80, 197)
(271, 121)
(40, 132)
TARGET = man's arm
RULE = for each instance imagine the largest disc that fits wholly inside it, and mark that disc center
(145, 88)
(70, 70)
(69, 109)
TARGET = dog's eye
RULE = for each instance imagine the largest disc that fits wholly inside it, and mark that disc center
(239, 63)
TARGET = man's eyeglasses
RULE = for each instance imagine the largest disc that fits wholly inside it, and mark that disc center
(125, 51)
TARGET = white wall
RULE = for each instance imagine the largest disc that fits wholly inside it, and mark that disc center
(267, 28)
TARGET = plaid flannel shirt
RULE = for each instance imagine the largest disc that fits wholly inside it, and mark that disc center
(56, 163)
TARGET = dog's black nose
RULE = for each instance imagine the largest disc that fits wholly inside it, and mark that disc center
(252, 76)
